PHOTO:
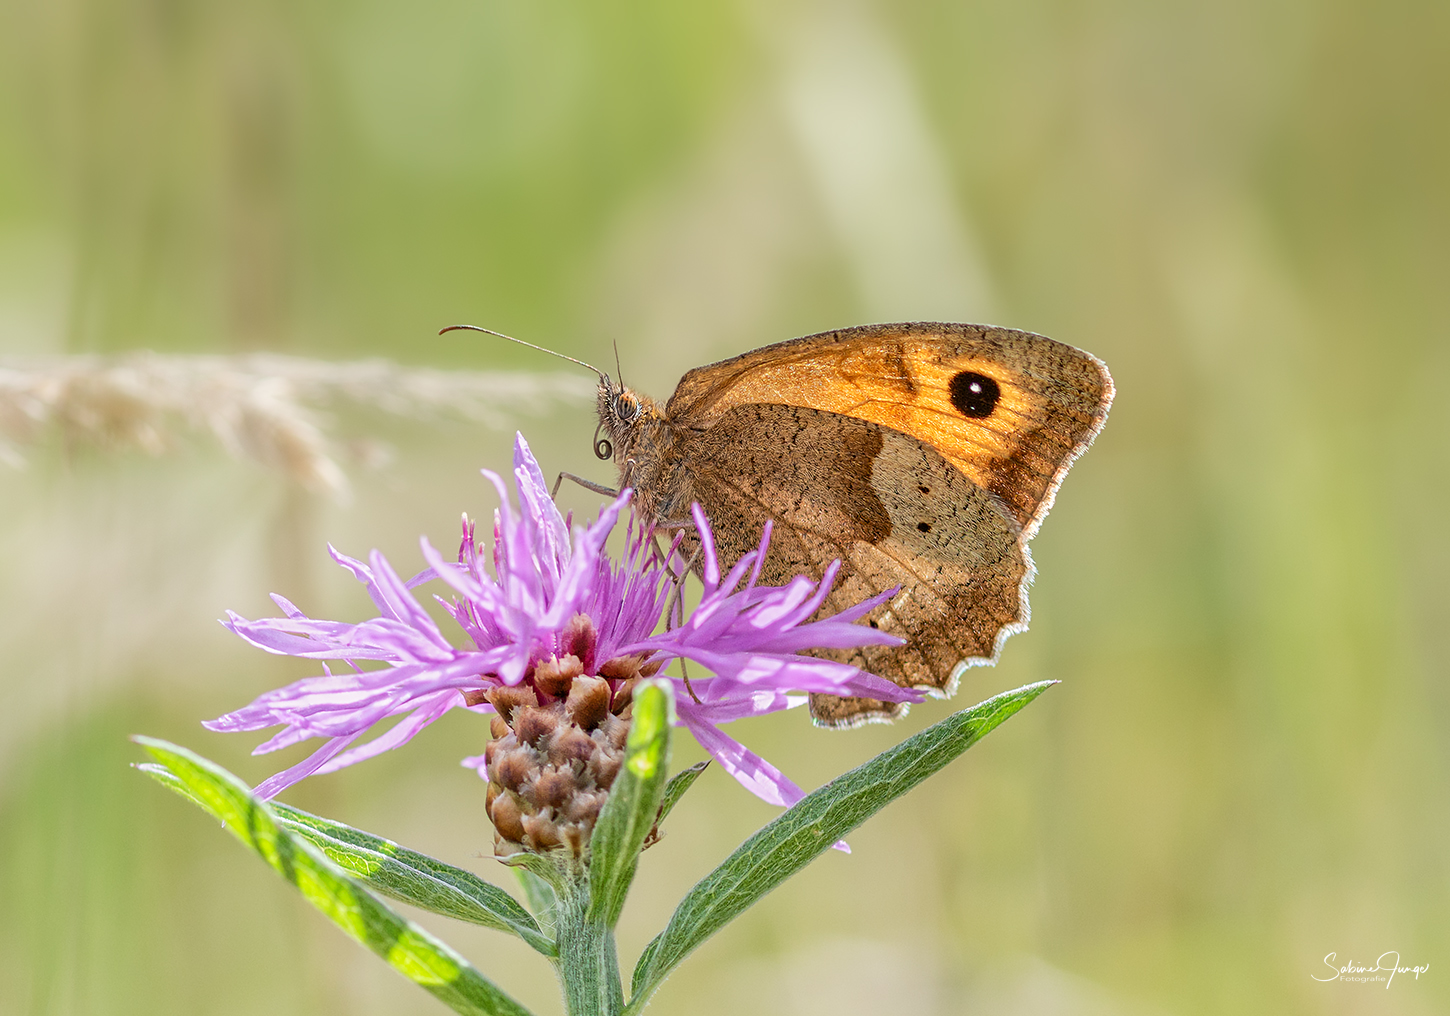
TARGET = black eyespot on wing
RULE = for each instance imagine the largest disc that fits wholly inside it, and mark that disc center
(974, 394)
(925, 527)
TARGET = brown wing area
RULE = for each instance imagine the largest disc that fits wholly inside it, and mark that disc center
(1050, 399)
(895, 512)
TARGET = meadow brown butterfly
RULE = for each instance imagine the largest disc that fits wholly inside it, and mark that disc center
(921, 455)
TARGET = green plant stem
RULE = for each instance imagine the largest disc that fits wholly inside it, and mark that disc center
(588, 966)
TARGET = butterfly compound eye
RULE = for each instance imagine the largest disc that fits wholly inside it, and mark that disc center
(626, 407)
(974, 394)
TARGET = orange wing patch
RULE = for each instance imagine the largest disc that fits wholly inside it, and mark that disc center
(1043, 400)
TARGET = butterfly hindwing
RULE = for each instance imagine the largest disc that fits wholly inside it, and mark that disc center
(893, 510)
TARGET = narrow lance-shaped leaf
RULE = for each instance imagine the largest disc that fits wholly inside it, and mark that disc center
(556, 870)
(416, 878)
(634, 803)
(403, 874)
(676, 787)
(409, 949)
(540, 895)
(808, 828)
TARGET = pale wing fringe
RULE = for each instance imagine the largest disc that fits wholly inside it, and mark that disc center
(264, 407)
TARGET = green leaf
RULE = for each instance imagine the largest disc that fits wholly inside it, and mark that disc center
(634, 802)
(675, 789)
(416, 878)
(543, 901)
(807, 829)
(557, 868)
(403, 874)
(409, 949)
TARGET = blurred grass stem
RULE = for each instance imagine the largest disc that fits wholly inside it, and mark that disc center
(264, 407)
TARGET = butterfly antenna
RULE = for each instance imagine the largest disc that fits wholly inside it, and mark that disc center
(603, 377)
(618, 370)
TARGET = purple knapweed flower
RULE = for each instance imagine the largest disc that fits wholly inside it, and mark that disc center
(556, 638)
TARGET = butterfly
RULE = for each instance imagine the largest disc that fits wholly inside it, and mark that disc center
(921, 455)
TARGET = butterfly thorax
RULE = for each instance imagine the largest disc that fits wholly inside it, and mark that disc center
(644, 446)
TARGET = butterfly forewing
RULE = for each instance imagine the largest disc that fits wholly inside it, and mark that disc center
(1036, 402)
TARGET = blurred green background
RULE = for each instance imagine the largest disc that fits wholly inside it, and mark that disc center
(1244, 208)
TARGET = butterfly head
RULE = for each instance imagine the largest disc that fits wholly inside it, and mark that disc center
(623, 416)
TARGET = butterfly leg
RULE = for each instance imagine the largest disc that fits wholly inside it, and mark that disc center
(686, 676)
(598, 488)
(674, 601)
(679, 586)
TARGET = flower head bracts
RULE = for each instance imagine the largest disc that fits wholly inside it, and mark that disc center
(555, 606)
